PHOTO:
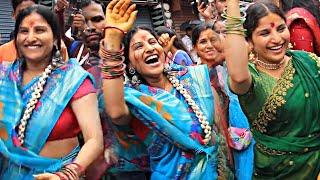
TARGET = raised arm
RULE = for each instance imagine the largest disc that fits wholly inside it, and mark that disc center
(236, 51)
(120, 17)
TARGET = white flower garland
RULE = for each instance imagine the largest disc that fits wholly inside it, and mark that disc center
(195, 108)
(35, 96)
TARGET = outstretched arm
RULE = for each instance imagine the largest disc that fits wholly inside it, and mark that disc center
(120, 17)
(236, 52)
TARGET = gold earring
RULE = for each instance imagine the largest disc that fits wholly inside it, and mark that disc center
(252, 56)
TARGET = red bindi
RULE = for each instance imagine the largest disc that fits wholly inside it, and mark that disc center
(272, 25)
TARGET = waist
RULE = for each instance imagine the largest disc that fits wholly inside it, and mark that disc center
(59, 148)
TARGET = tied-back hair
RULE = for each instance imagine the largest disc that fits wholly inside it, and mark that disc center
(126, 43)
(198, 30)
(257, 11)
(48, 15)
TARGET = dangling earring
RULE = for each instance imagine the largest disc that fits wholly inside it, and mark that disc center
(134, 79)
(166, 68)
(290, 46)
(57, 58)
(252, 56)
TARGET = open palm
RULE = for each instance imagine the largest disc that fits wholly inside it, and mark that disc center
(121, 14)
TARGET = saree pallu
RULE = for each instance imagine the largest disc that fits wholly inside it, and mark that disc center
(22, 162)
(285, 119)
(243, 159)
(173, 141)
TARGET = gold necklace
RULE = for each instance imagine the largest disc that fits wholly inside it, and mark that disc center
(269, 66)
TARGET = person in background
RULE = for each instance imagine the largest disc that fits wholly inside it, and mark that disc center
(278, 90)
(8, 50)
(209, 46)
(303, 18)
(178, 52)
(42, 112)
(186, 40)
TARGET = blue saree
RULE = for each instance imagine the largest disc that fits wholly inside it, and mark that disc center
(174, 141)
(22, 162)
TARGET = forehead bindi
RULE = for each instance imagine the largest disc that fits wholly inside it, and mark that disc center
(270, 21)
(141, 36)
(34, 20)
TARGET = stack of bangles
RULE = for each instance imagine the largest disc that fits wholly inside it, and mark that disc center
(71, 171)
(234, 24)
(112, 63)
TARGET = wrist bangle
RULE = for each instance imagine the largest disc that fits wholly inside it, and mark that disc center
(114, 27)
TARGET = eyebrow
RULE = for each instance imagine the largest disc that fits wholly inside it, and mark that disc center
(151, 38)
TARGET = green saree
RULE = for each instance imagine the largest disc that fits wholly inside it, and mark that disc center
(284, 115)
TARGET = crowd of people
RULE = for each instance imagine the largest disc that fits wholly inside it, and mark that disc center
(238, 97)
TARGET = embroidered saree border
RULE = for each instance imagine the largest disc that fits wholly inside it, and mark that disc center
(275, 100)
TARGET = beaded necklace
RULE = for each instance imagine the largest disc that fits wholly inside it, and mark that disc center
(35, 96)
(195, 108)
(269, 66)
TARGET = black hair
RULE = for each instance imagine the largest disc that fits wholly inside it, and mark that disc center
(257, 11)
(47, 14)
(197, 31)
(16, 3)
(311, 5)
(85, 3)
(177, 42)
(189, 28)
(126, 43)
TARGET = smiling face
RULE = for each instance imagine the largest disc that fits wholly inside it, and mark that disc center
(270, 39)
(209, 47)
(35, 38)
(146, 55)
(94, 17)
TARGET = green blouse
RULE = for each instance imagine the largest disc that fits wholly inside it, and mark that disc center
(285, 119)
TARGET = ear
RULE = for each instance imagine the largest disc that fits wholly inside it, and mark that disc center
(250, 46)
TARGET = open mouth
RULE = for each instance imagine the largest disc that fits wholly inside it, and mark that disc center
(277, 48)
(152, 59)
(32, 46)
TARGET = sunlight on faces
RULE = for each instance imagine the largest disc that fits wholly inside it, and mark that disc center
(146, 55)
(270, 39)
(35, 38)
(209, 48)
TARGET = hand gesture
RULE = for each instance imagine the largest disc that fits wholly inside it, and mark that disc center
(61, 5)
(78, 21)
(166, 42)
(121, 14)
(207, 12)
(46, 176)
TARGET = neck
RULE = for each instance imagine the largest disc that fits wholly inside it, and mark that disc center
(36, 66)
(210, 64)
(159, 82)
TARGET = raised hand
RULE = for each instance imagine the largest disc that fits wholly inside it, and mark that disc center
(79, 21)
(121, 14)
(61, 5)
(166, 42)
(207, 12)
